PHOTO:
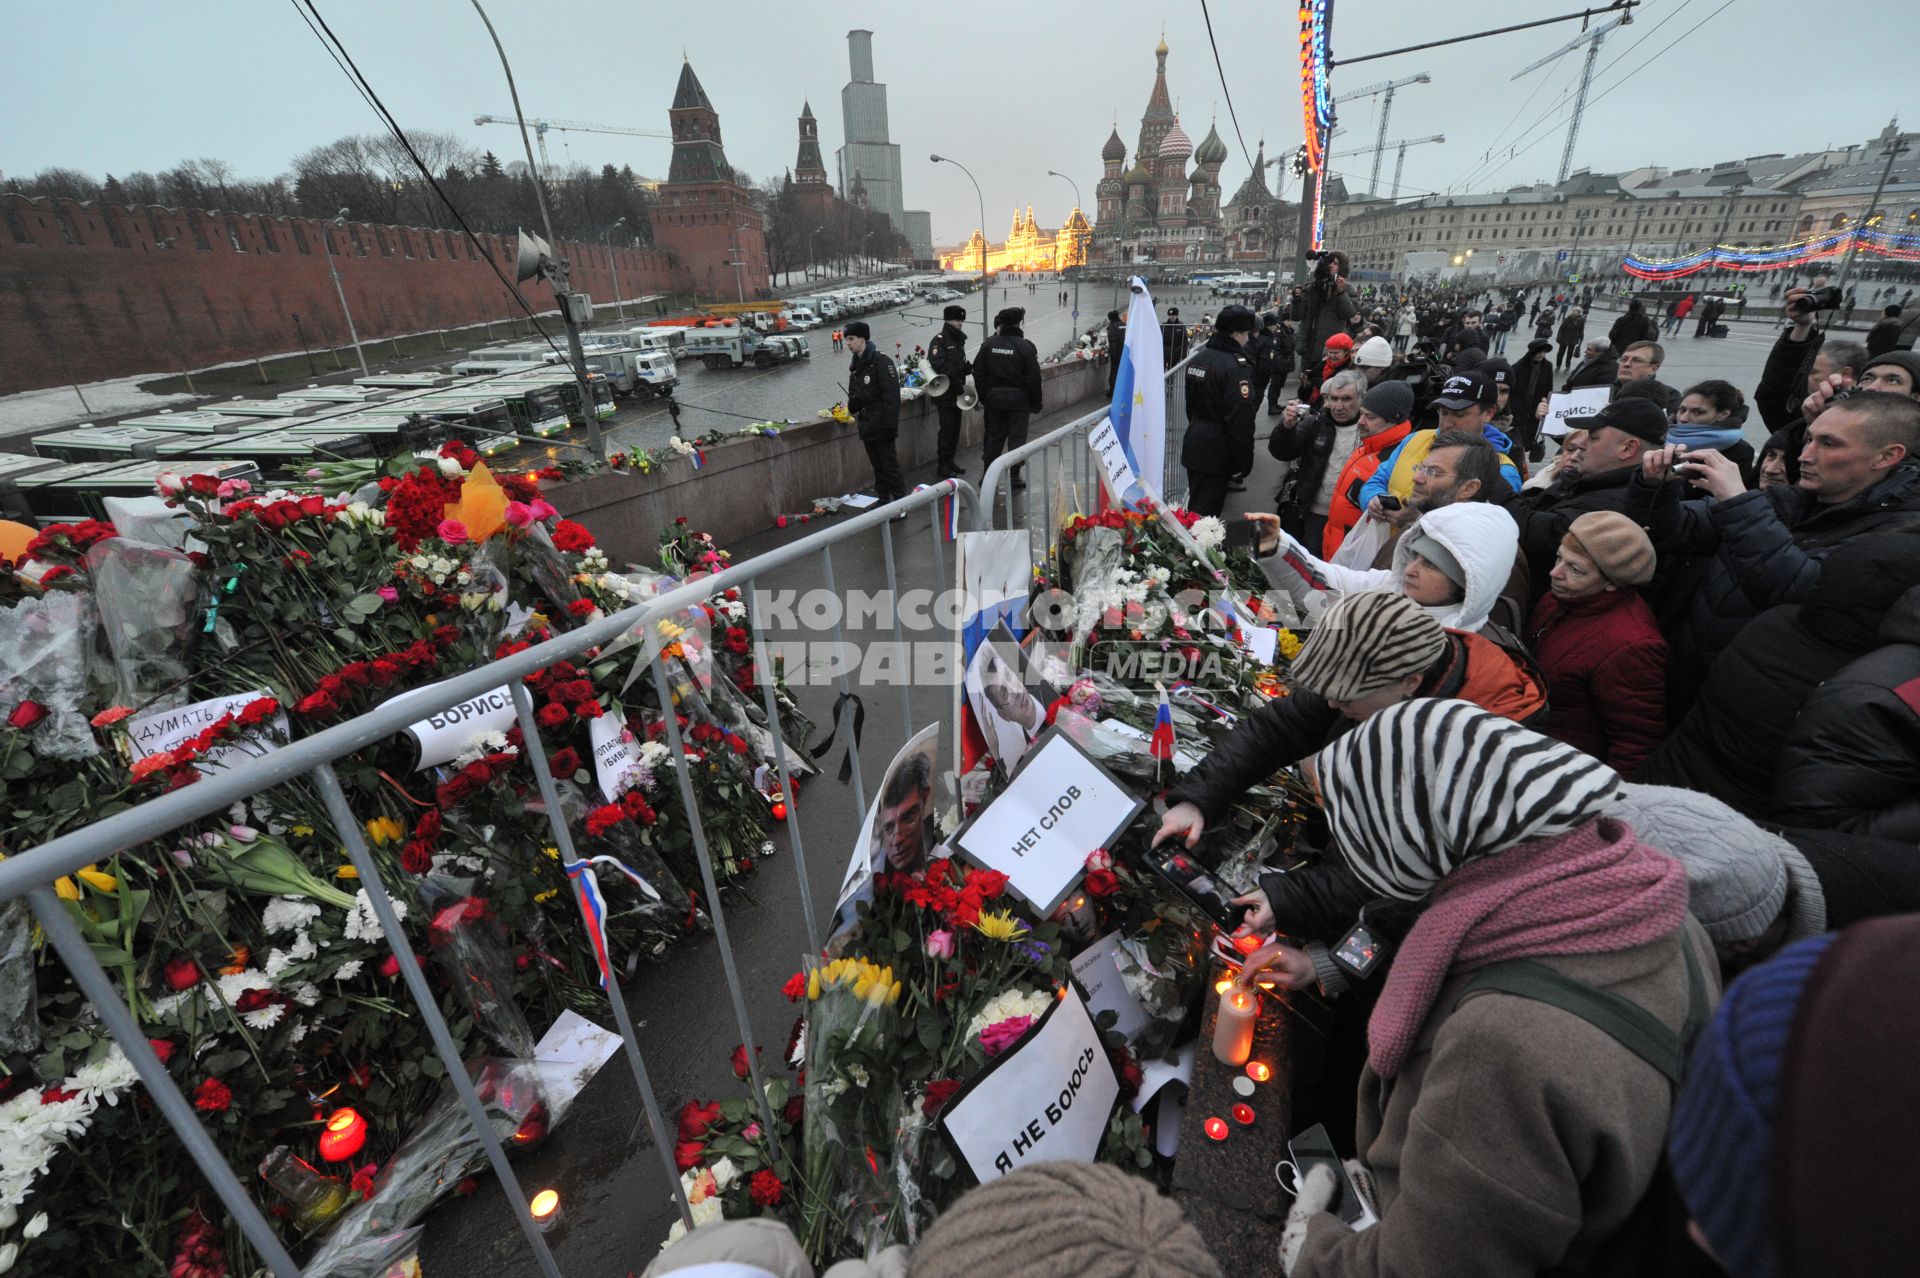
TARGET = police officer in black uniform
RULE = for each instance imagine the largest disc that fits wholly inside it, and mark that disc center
(947, 354)
(1006, 374)
(1220, 411)
(873, 397)
(1116, 348)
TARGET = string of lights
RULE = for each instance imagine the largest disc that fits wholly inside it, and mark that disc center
(1901, 246)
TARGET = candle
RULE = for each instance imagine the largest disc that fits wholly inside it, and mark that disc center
(1233, 1028)
(1246, 944)
(1259, 1071)
(1222, 985)
(1242, 1085)
(345, 1133)
(1217, 1128)
(1243, 1115)
(546, 1209)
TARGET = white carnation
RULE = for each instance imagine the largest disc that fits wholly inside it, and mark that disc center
(288, 914)
(348, 970)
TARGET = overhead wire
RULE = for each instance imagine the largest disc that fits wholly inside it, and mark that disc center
(1224, 90)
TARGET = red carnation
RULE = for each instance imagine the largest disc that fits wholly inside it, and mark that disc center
(765, 1189)
(182, 974)
(581, 608)
(163, 1048)
(939, 1092)
(738, 640)
(602, 819)
(26, 714)
(212, 1096)
(257, 712)
(796, 987)
(565, 762)
(1102, 882)
(571, 537)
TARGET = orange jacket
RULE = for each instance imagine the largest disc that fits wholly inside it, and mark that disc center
(1345, 510)
(1494, 681)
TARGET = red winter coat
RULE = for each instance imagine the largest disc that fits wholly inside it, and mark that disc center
(1684, 308)
(1344, 511)
(1606, 668)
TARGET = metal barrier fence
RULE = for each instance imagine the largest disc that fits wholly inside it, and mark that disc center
(1063, 468)
(31, 873)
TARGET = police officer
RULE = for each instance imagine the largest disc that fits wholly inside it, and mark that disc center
(873, 397)
(1116, 347)
(1173, 336)
(1006, 374)
(1220, 411)
(947, 354)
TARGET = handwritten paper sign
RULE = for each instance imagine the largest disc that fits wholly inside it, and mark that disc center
(615, 754)
(1574, 410)
(157, 731)
(445, 733)
(1112, 456)
(1059, 806)
(1045, 1099)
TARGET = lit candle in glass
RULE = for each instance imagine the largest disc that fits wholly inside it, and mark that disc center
(1259, 1071)
(1243, 1115)
(345, 1133)
(1217, 1128)
(1233, 1027)
(546, 1209)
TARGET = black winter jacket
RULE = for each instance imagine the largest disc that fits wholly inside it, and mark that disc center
(873, 394)
(1572, 329)
(1783, 380)
(1282, 356)
(1006, 372)
(1634, 326)
(1220, 407)
(1602, 371)
(1545, 514)
(1852, 760)
(947, 355)
(1307, 444)
(1768, 547)
(1532, 383)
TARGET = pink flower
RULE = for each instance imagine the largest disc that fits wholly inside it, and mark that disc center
(389, 593)
(233, 488)
(542, 508)
(1099, 859)
(451, 531)
(519, 514)
(168, 483)
(940, 944)
(999, 1036)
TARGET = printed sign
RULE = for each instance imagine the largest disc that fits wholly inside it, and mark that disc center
(1112, 456)
(1572, 410)
(1059, 806)
(445, 733)
(896, 836)
(1045, 1099)
(160, 730)
(1099, 974)
(615, 753)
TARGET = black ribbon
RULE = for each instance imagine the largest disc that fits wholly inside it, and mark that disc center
(858, 724)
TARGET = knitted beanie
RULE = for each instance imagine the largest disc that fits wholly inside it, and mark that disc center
(1429, 549)
(1391, 402)
(1619, 548)
(1909, 360)
(1363, 642)
(1340, 342)
(1087, 1220)
(1721, 1142)
(1375, 352)
(1737, 873)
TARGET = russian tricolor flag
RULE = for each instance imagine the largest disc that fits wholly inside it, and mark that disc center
(1139, 408)
(1162, 744)
(593, 911)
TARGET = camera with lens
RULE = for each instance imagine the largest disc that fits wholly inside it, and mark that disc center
(1817, 299)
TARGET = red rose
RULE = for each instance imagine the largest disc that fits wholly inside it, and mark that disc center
(765, 1189)
(739, 1061)
(571, 537)
(696, 1118)
(26, 714)
(738, 640)
(1102, 883)
(939, 1092)
(163, 1048)
(737, 744)
(390, 966)
(254, 1000)
(686, 1155)
(363, 1179)
(588, 710)
(212, 1096)
(574, 690)
(565, 762)
(416, 858)
(313, 504)
(551, 716)
(796, 1108)
(182, 974)
(796, 987)
(427, 828)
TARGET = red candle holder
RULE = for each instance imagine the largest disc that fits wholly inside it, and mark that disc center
(1217, 1128)
(1243, 1115)
(345, 1134)
(1259, 1071)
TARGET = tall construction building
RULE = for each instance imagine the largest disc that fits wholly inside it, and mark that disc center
(867, 156)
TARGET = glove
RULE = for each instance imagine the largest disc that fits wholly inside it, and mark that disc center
(1316, 1193)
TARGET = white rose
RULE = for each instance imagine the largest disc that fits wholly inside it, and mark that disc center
(450, 468)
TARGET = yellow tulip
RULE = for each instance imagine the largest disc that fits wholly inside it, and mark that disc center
(384, 830)
(813, 984)
(547, 895)
(346, 872)
(98, 880)
(66, 889)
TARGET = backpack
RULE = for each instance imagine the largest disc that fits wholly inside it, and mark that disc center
(1653, 1239)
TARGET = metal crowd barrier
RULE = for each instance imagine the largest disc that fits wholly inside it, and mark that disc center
(1060, 468)
(31, 873)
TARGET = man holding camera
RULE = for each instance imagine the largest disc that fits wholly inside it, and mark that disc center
(1327, 305)
(1784, 378)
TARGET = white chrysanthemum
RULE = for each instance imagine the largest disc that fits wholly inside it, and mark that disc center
(1208, 532)
(232, 987)
(277, 963)
(288, 914)
(655, 753)
(298, 1032)
(306, 994)
(165, 1007)
(362, 925)
(106, 1078)
(265, 1017)
(348, 970)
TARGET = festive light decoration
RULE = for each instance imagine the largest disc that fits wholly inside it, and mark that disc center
(1896, 245)
(1316, 96)
(345, 1134)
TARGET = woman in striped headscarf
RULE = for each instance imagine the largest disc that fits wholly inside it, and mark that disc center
(1506, 1133)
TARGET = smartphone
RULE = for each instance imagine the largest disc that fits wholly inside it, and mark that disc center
(1313, 1147)
(1188, 875)
(1390, 502)
(1242, 533)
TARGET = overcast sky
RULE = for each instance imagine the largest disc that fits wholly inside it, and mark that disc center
(144, 86)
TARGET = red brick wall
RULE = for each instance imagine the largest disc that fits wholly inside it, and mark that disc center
(89, 291)
(702, 226)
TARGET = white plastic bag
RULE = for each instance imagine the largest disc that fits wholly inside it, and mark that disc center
(1362, 543)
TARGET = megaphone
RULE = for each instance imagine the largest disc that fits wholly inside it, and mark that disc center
(969, 397)
(938, 386)
(535, 256)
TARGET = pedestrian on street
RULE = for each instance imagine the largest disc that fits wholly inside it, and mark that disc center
(836, 340)
(1006, 375)
(947, 356)
(873, 397)
(1679, 312)
(1220, 411)
(1573, 329)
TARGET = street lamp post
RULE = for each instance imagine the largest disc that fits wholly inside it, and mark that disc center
(618, 301)
(326, 238)
(984, 303)
(810, 234)
(1080, 266)
(302, 334)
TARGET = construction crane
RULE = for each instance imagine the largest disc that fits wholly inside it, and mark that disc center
(540, 128)
(1399, 164)
(1592, 40)
(1386, 108)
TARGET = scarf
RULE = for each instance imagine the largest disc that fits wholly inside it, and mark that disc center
(1596, 890)
(1719, 438)
(1423, 787)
